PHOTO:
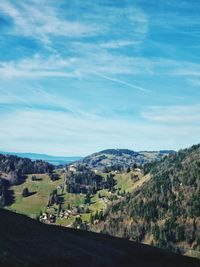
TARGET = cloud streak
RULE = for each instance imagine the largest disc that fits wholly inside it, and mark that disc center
(123, 83)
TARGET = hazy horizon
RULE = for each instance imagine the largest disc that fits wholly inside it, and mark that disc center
(79, 77)
(74, 156)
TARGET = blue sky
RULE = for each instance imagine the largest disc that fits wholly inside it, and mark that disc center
(80, 76)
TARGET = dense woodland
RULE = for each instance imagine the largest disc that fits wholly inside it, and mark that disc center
(165, 211)
(2, 193)
(86, 181)
(13, 168)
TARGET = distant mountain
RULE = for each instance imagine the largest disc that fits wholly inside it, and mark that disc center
(164, 211)
(122, 158)
(55, 160)
(25, 242)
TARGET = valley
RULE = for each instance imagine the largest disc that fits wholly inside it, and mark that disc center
(70, 204)
(156, 202)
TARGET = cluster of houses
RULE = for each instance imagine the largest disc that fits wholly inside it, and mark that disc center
(69, 213)
(47, 218)
(72, 168)
(74, 211)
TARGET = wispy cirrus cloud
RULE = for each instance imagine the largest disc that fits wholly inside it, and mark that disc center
(128, 19)
(179, 114)
(38, 67)
(193, 71)
(88, 64)
(92, 62)
(47, 21)
(42, 21)
(33, 97)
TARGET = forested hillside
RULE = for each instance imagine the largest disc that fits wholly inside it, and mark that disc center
(12, 168)
(165, 211)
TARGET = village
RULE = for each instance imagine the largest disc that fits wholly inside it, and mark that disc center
(51, 213)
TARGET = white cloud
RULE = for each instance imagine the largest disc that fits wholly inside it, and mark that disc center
(44, 20)
(129, 21)
(103, 45)
(191, 72)
(87, 64)
(37, 67)
(188, 114)
(63, 133)
(96, 62)
(195, 82)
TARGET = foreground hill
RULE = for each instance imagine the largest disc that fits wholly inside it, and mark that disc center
(25, 242)
(165, 210)
(115, 159)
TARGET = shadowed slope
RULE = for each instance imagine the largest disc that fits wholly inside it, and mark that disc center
(25, 242)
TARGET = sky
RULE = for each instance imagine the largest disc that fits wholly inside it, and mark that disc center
(80, 76)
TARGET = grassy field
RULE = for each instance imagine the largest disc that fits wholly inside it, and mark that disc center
(72, 200)
(125, 182)
(39, 190)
